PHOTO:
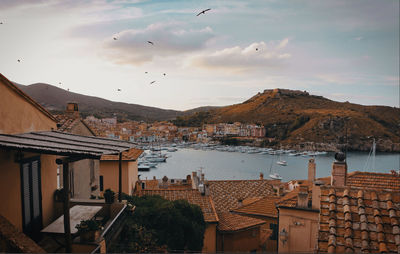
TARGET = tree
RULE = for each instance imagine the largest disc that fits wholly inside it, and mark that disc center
(158, 224)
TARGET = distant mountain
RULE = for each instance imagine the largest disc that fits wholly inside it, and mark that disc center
(298, 119)
(55, 100)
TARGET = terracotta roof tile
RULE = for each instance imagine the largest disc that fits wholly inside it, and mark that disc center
(359, 220)
(233, 222)
(373, 180)
(192, 196)
(264, 207)
(65, 123)
(229, 194)
(130, 155)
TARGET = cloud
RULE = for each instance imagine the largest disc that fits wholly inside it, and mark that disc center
(256, 55)
(170, 39)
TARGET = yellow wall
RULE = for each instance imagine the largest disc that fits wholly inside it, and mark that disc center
(10, 187)
(210, 238)
(302, 229)
(109, 171)
(240, 241)
(18, 115)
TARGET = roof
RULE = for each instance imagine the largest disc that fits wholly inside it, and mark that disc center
(373, 180)
(359, 220)
(66, 123)
(192, 196)
(59, 143)
(13, 87)
(130, 155)
(262, 207)
(234, 222)
(229, 194)
(289, 200)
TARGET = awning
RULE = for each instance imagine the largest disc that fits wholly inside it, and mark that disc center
(66, 144)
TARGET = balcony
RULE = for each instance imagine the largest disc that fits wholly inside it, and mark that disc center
(111, 217)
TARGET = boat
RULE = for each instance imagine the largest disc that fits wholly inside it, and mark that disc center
(275, 176)
(282, 163)
(143, 167)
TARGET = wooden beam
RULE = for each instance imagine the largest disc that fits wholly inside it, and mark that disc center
(70, 159)
(67, 227)
(120, 177)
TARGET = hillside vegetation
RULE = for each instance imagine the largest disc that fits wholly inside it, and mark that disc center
(297, 118)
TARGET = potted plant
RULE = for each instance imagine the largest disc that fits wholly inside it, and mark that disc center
(89, 230)
(109, 196)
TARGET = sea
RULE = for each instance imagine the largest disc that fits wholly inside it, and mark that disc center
(223, 165)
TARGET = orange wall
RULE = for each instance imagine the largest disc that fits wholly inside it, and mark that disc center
(109, 171)
(18, 115)
(302, 228)
(241, 241)
(210, 238)
(10, 187)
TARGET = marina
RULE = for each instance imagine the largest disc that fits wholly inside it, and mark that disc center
(224, 162)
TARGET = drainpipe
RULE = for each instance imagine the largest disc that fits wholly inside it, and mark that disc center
(67, 227)
(120, 177)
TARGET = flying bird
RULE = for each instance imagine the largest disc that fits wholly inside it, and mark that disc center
(115, 39)
(145, 72)
(19, 61)
(119, 90)
(152, 82)
(203, 12)
(256, 49)
(1, 23)
(151, 42)
(164, 74)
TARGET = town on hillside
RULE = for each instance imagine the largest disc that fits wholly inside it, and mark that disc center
(70, 184)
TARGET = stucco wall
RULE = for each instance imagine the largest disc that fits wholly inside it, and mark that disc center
(132, 175)
(109, 171)
(210, 238)
(241, 241)
(302, 228)
(10, 187)
(18, 115)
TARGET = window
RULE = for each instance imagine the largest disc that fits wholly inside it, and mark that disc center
(101, 183)
(274, 235)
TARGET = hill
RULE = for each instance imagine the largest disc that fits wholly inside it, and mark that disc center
(55, 100)
(300, 120)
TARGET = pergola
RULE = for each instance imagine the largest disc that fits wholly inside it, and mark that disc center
(73, 148)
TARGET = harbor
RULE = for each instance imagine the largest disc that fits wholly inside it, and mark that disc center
(230, 162)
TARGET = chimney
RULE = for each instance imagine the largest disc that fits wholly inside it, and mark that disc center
(195, 181)
(311, 170)
(202, 177)
(339, 170)
(206, 188)
(72, 109)
(164, 184)
(302, 197)
(261, 176)
(316, 195)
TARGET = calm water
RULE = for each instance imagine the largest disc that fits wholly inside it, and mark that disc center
(234, 165)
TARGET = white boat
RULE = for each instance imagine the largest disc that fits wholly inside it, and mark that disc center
(275, 176)
(143, 167)
(282, 163)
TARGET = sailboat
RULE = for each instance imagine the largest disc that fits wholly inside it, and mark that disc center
(371, 155)
(281, 162)
(275, 175)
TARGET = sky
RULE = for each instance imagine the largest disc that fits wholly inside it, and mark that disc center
(343, 50)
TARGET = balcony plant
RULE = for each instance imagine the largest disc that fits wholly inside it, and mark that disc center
(89, 230)
(109, 196)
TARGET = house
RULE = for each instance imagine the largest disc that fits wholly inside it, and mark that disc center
(239, 231)
(345, 212)
(108, 175)
(80, 171)
(30, 151)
